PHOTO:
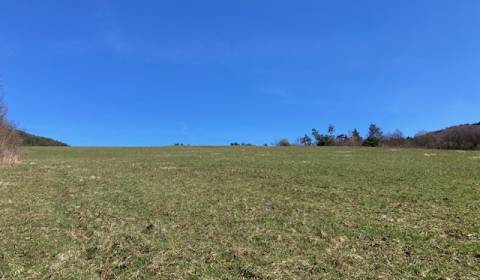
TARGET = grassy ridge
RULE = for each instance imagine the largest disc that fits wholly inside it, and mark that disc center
(237, 213)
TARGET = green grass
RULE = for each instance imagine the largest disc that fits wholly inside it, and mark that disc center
(236, 213)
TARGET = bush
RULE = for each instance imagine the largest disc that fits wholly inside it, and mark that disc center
(371, 141)
(283, 143)
(9, 140)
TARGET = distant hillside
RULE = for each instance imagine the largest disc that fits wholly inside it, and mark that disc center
(28, 139)
(465, 128)
(465, 136)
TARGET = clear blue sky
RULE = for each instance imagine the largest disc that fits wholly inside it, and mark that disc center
(99, 72)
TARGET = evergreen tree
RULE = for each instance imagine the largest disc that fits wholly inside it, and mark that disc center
(374, 136)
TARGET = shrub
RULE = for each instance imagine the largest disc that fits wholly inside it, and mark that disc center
(371, 142)
(9, 140)
(283, 143)
(247, 144)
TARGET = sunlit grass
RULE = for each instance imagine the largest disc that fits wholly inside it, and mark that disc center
(234, 213)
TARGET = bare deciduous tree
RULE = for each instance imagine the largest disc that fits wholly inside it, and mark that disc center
(355, 138)
(465, 137)
(395, 139)
(9, 140)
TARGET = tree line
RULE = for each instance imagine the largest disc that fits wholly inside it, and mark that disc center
(465, 137)
(28, 139)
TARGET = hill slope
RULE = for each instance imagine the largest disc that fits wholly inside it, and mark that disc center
(28, 139)
(465, 136)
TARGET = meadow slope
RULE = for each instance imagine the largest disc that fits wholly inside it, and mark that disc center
(239, 213)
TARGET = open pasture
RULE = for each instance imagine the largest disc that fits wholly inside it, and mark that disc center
(240, 213)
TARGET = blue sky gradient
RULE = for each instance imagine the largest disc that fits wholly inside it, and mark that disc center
(134, 73)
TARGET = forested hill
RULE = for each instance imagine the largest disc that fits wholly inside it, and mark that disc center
(465, 136)
(28, 139)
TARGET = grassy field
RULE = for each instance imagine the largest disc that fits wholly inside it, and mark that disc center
(237, 213)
